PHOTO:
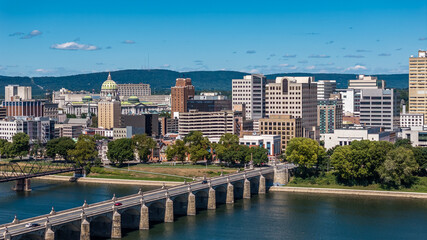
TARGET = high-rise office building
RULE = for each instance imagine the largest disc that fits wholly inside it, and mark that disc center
(211, 124)
(250, 91)
(109, 114)
(295, 96)
(418, 84)
(16, 93)
(329, 115)
(366, 82)
(351, 101)
(325, 88)
(378, 107)
(180, 93)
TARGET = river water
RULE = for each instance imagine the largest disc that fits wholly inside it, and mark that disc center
(273, 216)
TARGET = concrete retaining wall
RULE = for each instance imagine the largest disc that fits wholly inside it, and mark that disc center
(350, 192)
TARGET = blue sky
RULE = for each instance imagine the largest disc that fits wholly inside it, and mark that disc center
(52, 38)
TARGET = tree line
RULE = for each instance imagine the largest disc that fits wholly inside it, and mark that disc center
(195, 147)
(362, 162)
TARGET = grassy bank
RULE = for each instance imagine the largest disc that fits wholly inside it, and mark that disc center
(97, 172)
(328, 181)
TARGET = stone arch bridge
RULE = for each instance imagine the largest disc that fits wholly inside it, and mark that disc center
(139, 211)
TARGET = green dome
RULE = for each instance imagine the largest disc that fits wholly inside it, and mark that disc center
(109, 84)
(133, 99)
(87, 98)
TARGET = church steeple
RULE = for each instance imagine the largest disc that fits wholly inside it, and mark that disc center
(109, 76)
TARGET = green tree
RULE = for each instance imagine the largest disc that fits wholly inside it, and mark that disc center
(36, 149)
(120, 150)
(59, 146)
(144, 145)
(165, 114)
(198, 146)
(85, 150)
(20, 145)
(51, 148)
(403, 143)
(259, 155)
(304, 152)
(177, 151)
(227, 148)
(94, 122)
(98, 137)
(63, 146)
(358, 162)
(399, 167)
(83, 115)
(3, 146)
(420, 154)
(71, 115)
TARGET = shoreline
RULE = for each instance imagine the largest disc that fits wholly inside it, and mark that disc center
(112, 181)
(355, 192)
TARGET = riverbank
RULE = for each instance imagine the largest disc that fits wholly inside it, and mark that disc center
(350, 192)
(112, 181)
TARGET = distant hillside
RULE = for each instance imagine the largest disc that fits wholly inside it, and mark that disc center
(161, 80)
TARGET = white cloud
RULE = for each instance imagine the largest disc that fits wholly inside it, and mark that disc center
(128, 42)
(254, 71)
(319, 56)
(310, 67)
(284, 65)
(165, 66)
(41, 70)
(74, 46)
(32, 34)
(356, 67)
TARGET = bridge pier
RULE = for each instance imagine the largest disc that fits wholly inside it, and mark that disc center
(261, 189)
(6, 236)
(211, 199)
(116, 230)
(169, 211)
(281, 176)
(230, 194)
(49, 234)
(22, 185)
(191, 208)
(85, 230)
(247, 189)
(144, 223)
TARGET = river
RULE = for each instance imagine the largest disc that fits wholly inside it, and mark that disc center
(277, 215)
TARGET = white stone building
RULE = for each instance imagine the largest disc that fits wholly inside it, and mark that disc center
(250, 91)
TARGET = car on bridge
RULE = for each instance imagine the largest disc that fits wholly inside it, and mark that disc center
(31, 225)
(118, 204)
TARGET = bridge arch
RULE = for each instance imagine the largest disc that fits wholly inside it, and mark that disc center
(238, 189)
(100, 227)
(30, 236)
(202, 200)
(180, 205)
(156, 212)
(130, 218)
(221, 194)
(254, 181)
(67, 231)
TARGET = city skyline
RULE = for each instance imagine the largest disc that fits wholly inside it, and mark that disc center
(55, 39)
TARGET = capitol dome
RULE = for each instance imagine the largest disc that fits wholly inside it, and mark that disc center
(109, 84)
